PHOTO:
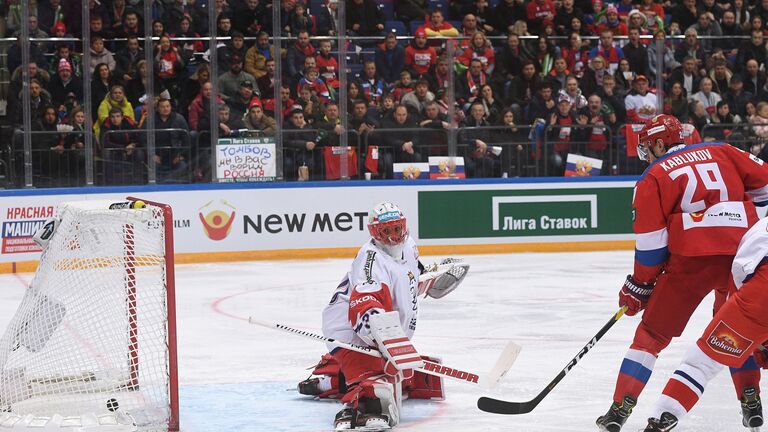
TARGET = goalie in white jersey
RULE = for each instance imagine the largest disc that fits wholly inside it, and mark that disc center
(377, 304)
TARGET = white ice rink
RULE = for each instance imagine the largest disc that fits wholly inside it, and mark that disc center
(236, 377)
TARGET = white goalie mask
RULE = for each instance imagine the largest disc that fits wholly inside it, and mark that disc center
(387, 226)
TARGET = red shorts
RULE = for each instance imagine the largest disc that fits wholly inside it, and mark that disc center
(741, 325)
(678, 292)
(358, 366)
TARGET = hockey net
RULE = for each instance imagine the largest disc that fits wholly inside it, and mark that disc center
(93, 343)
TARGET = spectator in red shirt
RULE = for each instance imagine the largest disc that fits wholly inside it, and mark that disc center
(612, 23)
(418, 56)
(479, 48)
(540, 14)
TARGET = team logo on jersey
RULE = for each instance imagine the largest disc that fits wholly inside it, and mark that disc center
(217, 224)
(725, 340)
(697, 217)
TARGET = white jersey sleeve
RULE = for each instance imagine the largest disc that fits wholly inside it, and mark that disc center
(376, 283)
(753, 248)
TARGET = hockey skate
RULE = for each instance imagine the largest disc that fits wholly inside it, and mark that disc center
(666, 423)
(616, 416)
(352, 419)
(751, 409)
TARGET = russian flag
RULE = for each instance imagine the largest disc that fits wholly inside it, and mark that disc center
(582, 166)
(444, 167)
(410, 171)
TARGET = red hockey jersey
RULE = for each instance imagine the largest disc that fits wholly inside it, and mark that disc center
(696, 200)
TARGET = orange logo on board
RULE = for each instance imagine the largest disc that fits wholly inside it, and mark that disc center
(216, 222)
(697, 217)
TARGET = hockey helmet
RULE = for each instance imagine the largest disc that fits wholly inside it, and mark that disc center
(665, 127)
(386, 223)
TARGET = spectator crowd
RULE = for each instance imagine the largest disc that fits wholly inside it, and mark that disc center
(537, 78)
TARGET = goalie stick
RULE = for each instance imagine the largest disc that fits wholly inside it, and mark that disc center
(497, 406)
(486, 380)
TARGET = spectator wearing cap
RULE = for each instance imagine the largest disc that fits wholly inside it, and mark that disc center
(257, 120)
(64, 51)
(327, 17)
(235, 48)
(560, 132)
(736, 96)
(229, 82)
(612, 22)
(419, 56)
(252, 17)
(389, 58)
(256, 56)
(64, 83)
(242, 99)
(59, 31)
(640, 103)
(301, 143)
(364, 18)
(297, 52)
(606, 50)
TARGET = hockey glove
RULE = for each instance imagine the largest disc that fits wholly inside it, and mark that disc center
(395, 346)
(761, 355)
(634, 295)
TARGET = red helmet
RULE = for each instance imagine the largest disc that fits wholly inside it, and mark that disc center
(386, 223)
(665, 127)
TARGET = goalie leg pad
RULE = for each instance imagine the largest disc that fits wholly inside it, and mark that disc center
(375, 396)
(424, 386)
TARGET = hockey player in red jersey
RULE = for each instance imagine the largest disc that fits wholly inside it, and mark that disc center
(738, 329)
(690, 208)
(377, 305)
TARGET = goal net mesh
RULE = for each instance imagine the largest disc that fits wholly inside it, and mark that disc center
(90, 336)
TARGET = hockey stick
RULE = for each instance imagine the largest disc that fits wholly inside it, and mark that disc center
(497, 406)
(486, 380)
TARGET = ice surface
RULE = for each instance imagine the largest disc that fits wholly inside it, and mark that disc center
(237, 377)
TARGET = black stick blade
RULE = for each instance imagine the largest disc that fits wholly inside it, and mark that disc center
(496, 406)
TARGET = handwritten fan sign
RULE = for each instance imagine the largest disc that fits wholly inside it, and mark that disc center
(245, 160)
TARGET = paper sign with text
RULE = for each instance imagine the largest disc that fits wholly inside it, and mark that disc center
(245, 160)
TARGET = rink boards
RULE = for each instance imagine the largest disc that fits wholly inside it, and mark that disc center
(235, 222)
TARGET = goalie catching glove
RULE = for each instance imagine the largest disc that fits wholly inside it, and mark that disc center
(395, 346)
(438, 280)
(634, 295)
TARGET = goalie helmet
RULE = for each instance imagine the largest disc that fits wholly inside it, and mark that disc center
(665, 127)
(386, 224)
